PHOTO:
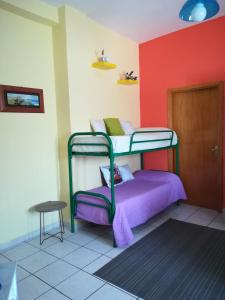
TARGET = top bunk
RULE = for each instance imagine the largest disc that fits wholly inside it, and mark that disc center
(140, 141)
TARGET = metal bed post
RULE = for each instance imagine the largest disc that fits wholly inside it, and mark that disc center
(177, 163)
(177, 158)
(72, 204)
(142, 161)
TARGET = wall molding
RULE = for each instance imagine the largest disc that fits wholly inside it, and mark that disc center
(28, 237)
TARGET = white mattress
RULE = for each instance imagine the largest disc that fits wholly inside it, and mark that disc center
(121, 144)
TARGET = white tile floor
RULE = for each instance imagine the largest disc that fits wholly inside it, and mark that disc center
(60, 271)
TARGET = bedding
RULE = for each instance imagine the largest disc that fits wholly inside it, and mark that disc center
(136, 200)
(121, 144)
(125, 173)
(113, 126)
(106, 175)
(127, 127)
(98, 125)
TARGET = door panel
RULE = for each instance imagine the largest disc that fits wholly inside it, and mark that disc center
(196, 115)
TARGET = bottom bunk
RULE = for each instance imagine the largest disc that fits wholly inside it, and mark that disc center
(136, 201)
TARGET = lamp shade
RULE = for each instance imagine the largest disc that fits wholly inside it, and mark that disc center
(198, 10)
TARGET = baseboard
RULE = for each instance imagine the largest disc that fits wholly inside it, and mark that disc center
(27, 237)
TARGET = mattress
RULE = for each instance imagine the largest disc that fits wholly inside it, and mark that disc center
(121, 144)
(136, 201)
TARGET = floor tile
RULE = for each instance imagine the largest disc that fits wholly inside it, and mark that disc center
(52, 295)
(182, 212)
(110, 293)
(31, 287)
(98, 230)
(3, 259)
(215, 225)
(56, 272)
(220, 218)
(67, 233)
(81, 257)
(21, 273)
(115, 251)
(21, 251)
(142, 234)
(61, 249)
(36, 242)
(203, 216)
(82, 237)
(97, 264)
(80, 285)
(218, 222)
(101, 245)
(36, 261)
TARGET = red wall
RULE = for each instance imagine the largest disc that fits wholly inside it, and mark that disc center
(190, 56)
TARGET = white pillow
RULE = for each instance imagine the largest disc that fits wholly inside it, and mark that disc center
(125, 173)
(98, 125)
(127, 127)
(106, 175)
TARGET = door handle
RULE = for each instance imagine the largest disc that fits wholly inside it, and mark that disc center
(215, 148)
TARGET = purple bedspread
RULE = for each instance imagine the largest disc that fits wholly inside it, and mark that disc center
(136, 201)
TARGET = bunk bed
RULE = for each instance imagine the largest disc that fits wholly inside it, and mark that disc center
(134, 202)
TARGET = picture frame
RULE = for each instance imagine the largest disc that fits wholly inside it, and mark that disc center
(21, 99)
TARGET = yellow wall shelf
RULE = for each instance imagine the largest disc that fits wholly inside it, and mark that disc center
(127, 81)
(103, 65)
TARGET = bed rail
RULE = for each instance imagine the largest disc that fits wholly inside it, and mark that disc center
(132, 141)
(107, 206)
(107, 145)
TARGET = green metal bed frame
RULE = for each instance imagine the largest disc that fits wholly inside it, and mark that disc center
(109, 204)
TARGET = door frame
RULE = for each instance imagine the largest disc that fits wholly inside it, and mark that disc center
(171, 159)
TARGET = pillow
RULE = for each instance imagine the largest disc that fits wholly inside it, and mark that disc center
(125, 173)
(98, 125)
(127, 127)
(113, 126)
(106, 175)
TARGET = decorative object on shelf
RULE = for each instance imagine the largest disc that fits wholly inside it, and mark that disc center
(102, 57)
(128, 78)
(21, 99)
(103, 62)
(198, 10)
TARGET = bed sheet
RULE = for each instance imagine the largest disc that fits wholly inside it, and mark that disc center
(136, 201)
(121, 144)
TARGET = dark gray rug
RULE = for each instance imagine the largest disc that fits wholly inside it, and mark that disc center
(178, 260)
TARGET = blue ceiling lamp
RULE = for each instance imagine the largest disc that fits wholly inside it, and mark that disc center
(198, 10)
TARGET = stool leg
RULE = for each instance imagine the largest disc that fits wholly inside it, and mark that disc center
(60, 222)
(43, 214)
(40, 229)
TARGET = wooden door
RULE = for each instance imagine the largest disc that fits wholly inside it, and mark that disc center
(196, 114)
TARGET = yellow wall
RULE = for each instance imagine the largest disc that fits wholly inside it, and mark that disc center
(56, 57)
(28, 142)
(95, 94)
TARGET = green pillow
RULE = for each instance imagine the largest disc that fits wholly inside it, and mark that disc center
(113, 126)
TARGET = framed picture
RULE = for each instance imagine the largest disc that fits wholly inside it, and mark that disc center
(21, 99)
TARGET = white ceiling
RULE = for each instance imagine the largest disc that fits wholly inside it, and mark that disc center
(139, 20)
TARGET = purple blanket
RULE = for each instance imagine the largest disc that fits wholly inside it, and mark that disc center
(136, 201)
